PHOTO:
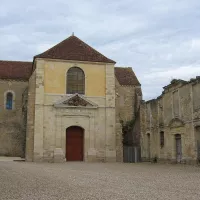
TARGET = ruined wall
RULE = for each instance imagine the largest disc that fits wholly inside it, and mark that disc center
(12, 136)
(127, 106)
(24, 116)
(176, 111)
(125, 102)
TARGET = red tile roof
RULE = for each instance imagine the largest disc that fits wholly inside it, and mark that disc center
(16, 70)
(126, 76)
(73, 48)
(19, 70)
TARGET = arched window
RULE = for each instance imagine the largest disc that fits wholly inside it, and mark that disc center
(75, 81)
(9, 101)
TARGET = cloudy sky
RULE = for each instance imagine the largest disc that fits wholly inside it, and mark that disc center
(159, 39)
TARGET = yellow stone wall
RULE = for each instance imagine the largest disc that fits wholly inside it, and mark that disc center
(55, 77)
(50, 122)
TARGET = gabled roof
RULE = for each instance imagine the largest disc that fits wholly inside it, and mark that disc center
(73, 48)
(126, 76)
(16, 70)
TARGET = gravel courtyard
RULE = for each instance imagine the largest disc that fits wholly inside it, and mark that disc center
(112, 181)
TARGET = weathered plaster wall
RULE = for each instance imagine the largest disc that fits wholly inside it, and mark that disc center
(12, 136)
(55, 77)
(127, 105)
(125, 102)
(174, 112)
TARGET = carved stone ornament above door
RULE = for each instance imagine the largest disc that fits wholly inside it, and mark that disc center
(75, 100)
(176, 122)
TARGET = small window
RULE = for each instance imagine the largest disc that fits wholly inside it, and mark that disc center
(9, 101)
(162, 139)
(75, 81)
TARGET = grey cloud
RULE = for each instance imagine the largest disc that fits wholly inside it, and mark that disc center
(152, 36)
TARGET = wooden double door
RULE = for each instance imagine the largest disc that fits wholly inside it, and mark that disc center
(74, 143)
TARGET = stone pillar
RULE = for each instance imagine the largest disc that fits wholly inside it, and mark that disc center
(30, 118)
(110, 137)
(39, 112)
(58, 151)
(143, 129)
(92, 135)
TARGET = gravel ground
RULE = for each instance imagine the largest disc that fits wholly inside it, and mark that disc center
(112, 181)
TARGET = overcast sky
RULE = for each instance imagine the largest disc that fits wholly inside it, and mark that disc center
(159, 39)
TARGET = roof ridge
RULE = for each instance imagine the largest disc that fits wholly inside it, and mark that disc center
(15, 61)
(124, 67)
(53, 46)
(90, 47)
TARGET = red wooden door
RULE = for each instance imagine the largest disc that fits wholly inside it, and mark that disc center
(74, 144)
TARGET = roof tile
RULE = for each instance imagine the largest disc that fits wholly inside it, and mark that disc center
(16, 70)
(73, 48)
(126, 76)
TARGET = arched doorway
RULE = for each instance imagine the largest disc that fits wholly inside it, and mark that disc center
(74, 143)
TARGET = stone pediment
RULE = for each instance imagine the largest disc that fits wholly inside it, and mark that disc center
(176, 122)
(75, 100)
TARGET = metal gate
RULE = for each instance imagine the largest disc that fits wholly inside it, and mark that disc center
(131, 154)
(198, 150)
(178, 148)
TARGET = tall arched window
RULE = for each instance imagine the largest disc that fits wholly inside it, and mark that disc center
(9, 101)
(75, 81)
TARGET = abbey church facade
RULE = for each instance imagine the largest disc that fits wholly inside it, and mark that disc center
(73, 104)
(66, 105)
